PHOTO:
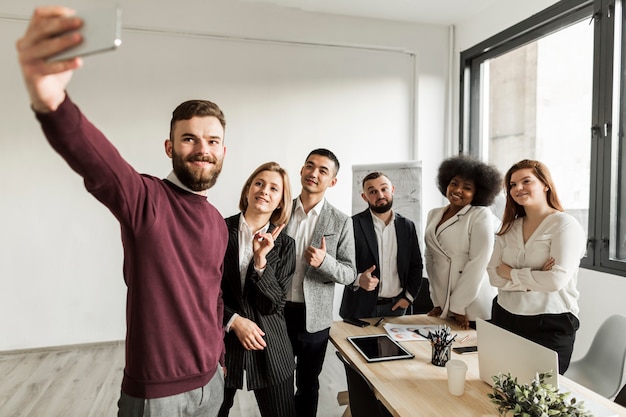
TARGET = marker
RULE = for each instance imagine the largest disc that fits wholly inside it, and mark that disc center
(424, 336)
(379, 321)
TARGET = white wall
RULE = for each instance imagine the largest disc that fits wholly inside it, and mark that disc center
(60, 254)
(288, 82)
(601, 295)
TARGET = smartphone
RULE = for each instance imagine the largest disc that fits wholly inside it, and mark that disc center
(465, 349)
(356, 322)
(101, 31)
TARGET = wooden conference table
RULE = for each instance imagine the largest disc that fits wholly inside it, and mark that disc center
(415, 387)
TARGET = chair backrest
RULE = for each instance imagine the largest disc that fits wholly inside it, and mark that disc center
(423, 304)
(602, 366)
(363, 401)
(621, 397)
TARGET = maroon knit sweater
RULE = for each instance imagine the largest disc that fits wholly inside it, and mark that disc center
(174, 245)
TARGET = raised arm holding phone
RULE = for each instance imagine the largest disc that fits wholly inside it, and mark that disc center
(174, 313)
(51, 30)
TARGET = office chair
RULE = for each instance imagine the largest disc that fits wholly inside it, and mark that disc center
(362, 400)
(621, 397)
(601, 368)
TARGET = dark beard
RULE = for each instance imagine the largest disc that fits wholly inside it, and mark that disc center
(196, 180)
(381, 209)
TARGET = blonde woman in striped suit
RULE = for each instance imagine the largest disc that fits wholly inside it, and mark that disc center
(258, 267)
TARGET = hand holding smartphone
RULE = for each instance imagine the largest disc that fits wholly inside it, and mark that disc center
(101, 31)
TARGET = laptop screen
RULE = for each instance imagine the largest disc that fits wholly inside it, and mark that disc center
(500, 351)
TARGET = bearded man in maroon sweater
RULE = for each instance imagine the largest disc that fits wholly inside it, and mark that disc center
(174, 240)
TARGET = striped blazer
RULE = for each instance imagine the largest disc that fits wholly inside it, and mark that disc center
(262, 300)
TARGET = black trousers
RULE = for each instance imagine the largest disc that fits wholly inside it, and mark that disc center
(274, 401)
(310, 350)
(554, 331)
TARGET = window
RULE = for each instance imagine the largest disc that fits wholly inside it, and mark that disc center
(609, 129)
(550, 89)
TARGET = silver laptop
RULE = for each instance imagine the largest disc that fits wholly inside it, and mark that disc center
(500, 351)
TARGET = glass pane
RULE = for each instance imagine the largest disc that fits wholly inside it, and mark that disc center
(617, 218)
(536, 104)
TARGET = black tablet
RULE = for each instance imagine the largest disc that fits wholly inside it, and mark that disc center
(379, 347)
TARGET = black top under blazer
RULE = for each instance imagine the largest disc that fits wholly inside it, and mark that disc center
(262, 301)
(358, 303)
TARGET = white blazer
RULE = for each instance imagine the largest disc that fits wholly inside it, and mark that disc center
(457, 254)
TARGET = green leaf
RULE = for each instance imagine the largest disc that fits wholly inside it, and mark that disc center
(537, 399)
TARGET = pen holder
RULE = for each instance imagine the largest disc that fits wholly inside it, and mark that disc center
(441, 354)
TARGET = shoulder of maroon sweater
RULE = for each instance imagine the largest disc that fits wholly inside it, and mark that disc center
(85, 148)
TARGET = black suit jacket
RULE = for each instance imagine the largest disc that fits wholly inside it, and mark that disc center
(262, 300)
(360, 303)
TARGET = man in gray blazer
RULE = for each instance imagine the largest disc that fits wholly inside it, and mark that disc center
(388, 256)
(324, 256)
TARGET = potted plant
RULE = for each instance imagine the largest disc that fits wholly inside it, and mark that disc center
(537, 399)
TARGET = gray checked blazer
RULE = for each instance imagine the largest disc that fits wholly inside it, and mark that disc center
(338, 266)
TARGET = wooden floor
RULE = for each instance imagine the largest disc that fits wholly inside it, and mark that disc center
(84, 381)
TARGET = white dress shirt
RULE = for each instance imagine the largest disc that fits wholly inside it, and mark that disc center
(300, 228)
(245, 248)
(245, 236)
(389, 285)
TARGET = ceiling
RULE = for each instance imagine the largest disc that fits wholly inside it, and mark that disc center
(439, 12)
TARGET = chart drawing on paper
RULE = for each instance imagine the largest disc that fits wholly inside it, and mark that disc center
(408, 332)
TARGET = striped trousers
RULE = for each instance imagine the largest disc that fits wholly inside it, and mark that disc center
(274, 401)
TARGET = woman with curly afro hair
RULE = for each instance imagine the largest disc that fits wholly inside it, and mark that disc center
(459, 240)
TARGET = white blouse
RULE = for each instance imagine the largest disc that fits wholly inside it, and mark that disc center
(245, 248)
(532, 291)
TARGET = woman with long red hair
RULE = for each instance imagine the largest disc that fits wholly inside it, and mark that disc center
(535, 262)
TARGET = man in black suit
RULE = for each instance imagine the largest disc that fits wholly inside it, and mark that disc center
(388, 256)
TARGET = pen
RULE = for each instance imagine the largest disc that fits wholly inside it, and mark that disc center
(464, 339)
(379, 321)
(420, 333)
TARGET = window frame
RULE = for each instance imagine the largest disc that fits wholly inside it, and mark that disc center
(560, 15)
